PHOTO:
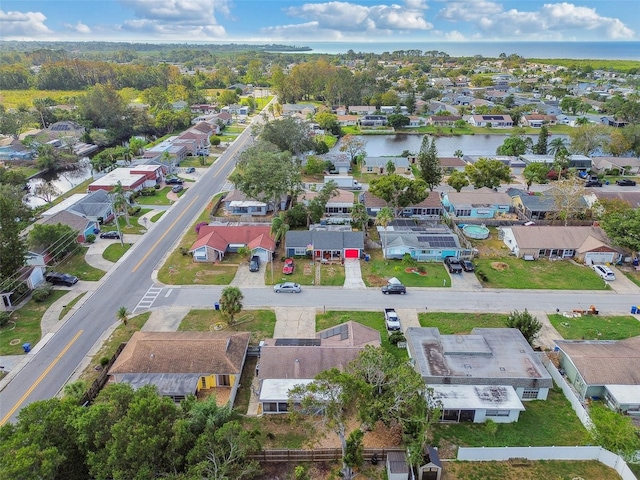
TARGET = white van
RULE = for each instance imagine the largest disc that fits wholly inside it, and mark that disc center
(605, 272)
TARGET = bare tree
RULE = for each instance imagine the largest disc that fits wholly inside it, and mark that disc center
(568, 195)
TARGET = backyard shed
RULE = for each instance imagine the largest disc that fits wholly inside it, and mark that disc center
(397, 466)
(432, 468)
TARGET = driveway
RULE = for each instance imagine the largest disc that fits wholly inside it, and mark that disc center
(353, 274)
(622, 284)
(245, 278)
(295, 322)
(465, 281)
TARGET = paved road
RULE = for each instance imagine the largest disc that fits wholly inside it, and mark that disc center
(124, 285)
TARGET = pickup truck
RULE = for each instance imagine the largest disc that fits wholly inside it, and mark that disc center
(391, 319)
(453, 264)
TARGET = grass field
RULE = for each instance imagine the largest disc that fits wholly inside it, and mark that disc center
(377, 271)
(260, 323)
(596, 327)
(15, 98)
(160, 198)
(461, 323)
(77, 265)
(304, 273)
(24, 326)
(530, 470)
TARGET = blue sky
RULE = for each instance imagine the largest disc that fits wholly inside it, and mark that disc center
(296, 22)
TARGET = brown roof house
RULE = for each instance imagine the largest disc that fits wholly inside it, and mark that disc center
(184, 363)
(287, 362)
(607, 369)
(481, 376)
(588, 244)
(84, 226)
(216, 240)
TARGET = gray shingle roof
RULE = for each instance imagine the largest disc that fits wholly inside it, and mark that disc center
(324, 240)
(93, 205)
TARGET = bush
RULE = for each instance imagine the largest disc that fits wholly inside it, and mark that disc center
(215, 140)
(149, 192)
(104, 361)
(40, 294)
(90, 238)
(4, 318)
(157, 186)
(184, 251)
(397, 337)
(135, 211)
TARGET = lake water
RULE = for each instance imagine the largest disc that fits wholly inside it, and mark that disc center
(63, 181)
(394, 145)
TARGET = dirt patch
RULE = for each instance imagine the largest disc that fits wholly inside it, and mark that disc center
(203, 273)
(499, 266)
(416, 271)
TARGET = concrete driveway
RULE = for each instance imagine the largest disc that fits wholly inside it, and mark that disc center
(245, 278)
(465, 281)
(353, 274)
(295, 322)
(622, 284)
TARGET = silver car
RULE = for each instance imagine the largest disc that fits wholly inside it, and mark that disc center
(287, 287)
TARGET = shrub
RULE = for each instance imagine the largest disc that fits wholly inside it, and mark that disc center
(397, 337)
(200, 225)
(4, 318)
(184, 251)
(90, 238)
(157, 186)
(134, 211)
(40, 294)
(104, 361)
(215, 140)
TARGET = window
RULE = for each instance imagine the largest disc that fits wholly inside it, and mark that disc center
(224, 381)
(463, 213)
(497, 413)
(299, 251)
(530, 393)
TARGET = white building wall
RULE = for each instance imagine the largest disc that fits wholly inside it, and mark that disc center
(481, 417)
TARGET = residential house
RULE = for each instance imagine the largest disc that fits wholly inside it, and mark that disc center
(388, 109)
(131, 179)
(204, 108)
(362, 109)
(579, 162)
(287, 362)
(244, 89)
(480, 203)
(429, 209)
(180, 364)
(13, 149)
(625, 165)
(443, 120)
(379, 165)
(65, 128)
(340, 205)
(194, 140)
(237, 203)
(415, 121)
(587, 244)
(216, 240)
(293, 108)
(493, 121)
(612, 122)
(236, 109)
(423, 244)
(606, 369)
(175, 153)
(480, 376)
(206, 128)
(347, 120)
(449, 164)
(534, 207)
(630, 196)
(373, 121)
(96, 205)
(537, 120)
(324, 245)
(83, 226)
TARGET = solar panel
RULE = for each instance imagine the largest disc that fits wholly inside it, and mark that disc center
(297, 342)
(438, 241)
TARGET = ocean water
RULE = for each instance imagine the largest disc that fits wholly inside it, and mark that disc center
(574, 50)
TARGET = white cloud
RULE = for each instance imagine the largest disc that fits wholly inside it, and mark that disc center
(17, 25)
(78, 27)
(554, 21)
(334, 18)
(177, 18)
(455, 36)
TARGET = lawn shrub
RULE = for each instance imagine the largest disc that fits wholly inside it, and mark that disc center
(90, 238)
(40, 294)
(134, 211)
(396, 338)
(4, 318)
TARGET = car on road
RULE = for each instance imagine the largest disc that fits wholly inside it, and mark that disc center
(394, 288)
(254, 263)
(593, 183)
(467, 266)
(190, 170)
(288, 266)
(173, 181)
(605, 272)
(287, 287)
(113, 234)
(625, 182)
(453, 264)
(57, 278)
(177, 188)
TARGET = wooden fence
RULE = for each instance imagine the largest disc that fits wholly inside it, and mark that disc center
(317, 455)
(97, 385)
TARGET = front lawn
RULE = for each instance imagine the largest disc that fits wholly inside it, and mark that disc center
(260, 323)
(373, 320)
(180, 269)
(377, 271)
(543, 423)
(157, 216)
(24, 325)
(304, 273)
(195, 162)
(461, 323)
(596, 327)
(115, 251)
(511, 272)
(77, 265)
(160, 197)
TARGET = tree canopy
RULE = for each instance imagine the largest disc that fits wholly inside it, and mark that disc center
(488, 173)
(429, 163)
(289, 135)
(623, 227)
(398, 191)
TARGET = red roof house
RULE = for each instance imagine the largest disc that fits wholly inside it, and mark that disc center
(216, 240)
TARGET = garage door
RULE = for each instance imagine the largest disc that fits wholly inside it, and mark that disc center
(351, 253)
(264, 256)
(599, 257)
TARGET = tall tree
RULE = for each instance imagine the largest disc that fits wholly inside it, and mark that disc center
(557, 145)
(359, 216)
(289, 135)
(120, 202)
(398, 191)
(383, 218)
(540, 148)
(528, 324)
(231, 303)
(353, 146)
(279, 226)
(586, 139)
(568, 195)
(429, 163)
(458, 180)
(58, 240)
(317, 206)
(535, 172)
(13, 217)
(488, 173)
(513, 146)
(623, 227)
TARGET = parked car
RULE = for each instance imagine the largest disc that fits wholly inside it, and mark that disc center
(288, 266)
(190, 170)
(113, 234)
(394, 288)
(625, 182)
(177, 188)
(57, 278)
(173, 181)
(593, 183)
(453, 264)
(287, 287)
(605, 272)
(254, 263)
(467, 266)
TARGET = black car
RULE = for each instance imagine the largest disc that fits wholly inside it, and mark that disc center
(112, 234)
(593, 183)
(173, 181)
(453, 264)
(625, 182)
(254, 264)
(394, 288)
(467, 266)
(65, 279)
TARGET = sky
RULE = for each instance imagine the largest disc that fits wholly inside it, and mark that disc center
(294, 22)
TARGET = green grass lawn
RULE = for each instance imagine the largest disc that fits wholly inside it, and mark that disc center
(195, 162)
(157, 216)
(596, 327)
(67, 308)
(115, 251)
(260, 323)
(24, 326)
(160, 198)
(373, 320)
(461, 323)
(77, 265)
(543, 423)
(511, 272)
(530, 470)
(377, 271)
(304, 273)
(133, 228)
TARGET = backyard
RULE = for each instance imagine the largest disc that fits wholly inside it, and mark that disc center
(377, 271)
(529, 470)
(596, 327)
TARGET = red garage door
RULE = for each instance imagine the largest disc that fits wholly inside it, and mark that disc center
(351, 253)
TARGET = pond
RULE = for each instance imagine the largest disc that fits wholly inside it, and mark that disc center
(63, 181)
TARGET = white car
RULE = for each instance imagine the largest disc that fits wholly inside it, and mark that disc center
(605, 272)
(287, 287)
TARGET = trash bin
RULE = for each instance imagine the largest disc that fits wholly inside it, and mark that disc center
(367, 258)
(634, 309)
(26, 347)
(217, 305)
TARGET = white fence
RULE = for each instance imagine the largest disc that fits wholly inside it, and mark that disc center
(486, 454)
(582, 414)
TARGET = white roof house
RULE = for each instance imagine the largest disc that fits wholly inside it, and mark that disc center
(499, 403)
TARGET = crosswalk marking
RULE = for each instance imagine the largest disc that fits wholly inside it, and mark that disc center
(148, 298)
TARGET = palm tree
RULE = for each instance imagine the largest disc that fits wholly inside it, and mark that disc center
(458, 153)
(557, 145)
(120, 203)
(231, 302)
(384, 217)
(123, 315)
(279, 227)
